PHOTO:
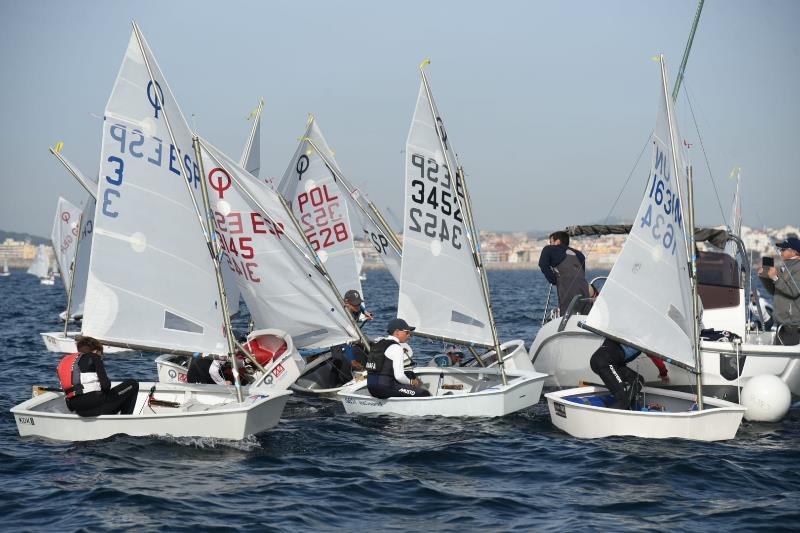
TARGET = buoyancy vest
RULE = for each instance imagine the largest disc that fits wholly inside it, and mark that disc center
(73, 381)
(376, 359)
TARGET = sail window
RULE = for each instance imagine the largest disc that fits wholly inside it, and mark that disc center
(178, 323)
(305, 338)
(461, 318)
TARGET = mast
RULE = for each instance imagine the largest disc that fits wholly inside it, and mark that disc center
(248, 147)
(212, 246)
(688, 48)
(72, 269)
(688, 235)
(56, 151)
(472, 237)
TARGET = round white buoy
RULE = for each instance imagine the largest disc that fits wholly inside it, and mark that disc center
(766, 397)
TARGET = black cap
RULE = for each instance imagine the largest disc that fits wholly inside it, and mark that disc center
(353, 297)
(398, 323)
(791, 242)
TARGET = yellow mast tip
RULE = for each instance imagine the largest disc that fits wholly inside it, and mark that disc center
(424, 63)
(57, 148)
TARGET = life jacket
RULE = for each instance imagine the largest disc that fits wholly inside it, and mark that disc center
(73, 381)
(376, 359)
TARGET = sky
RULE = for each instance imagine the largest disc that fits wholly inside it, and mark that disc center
(549, 104)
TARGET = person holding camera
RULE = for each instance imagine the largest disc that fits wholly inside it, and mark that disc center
(784, 286)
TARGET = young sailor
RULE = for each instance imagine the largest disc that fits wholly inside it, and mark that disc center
(385, 375)
(88, 389)
(610, 361)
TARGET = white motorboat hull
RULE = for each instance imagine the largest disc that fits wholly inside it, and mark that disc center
(719, 420)
(481, 394)
(55, 341)
(204, 411)
(564, 355)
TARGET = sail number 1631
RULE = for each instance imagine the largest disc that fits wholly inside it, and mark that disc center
(661, 224)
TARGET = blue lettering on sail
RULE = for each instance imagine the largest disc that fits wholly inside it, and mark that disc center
(135, 144)
(107, 202)
(155, 96)
(173, 156)
(156, 151)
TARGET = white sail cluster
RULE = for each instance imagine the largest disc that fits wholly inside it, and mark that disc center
(274, 270)
(41, 264)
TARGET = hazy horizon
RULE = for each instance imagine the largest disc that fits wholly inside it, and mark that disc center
(548, 104)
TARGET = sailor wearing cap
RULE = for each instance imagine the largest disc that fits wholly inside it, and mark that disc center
(385, 375)
(355, 304)
(784, 285)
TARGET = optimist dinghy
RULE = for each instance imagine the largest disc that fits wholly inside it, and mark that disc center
(650, 302)
(478, 392)
(661, 414)
(173, 410)
(444, 292)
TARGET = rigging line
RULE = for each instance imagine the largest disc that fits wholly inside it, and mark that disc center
(594, 244)
(705, 155)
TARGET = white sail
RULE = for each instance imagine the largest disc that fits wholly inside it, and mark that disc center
(64, 236)
(440, 286)
(151, 281)
(83, 257)
(281, 287)
(736, 213)
(251, 156)
(375, 234)
(5, 265)
(41, 263)
(646, 301)
(321, 207)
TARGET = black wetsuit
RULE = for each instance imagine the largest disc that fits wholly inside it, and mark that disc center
(108, 400)
(609, 362)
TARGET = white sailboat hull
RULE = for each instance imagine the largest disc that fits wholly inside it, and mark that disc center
(564, 356)
(55, 341)
(481, 394)
(719, 420)
(48, 281)
(204, 411)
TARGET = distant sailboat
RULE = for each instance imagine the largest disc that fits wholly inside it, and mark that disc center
(40, 266)
(5, 273)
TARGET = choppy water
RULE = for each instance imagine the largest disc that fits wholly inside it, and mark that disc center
(322, 469)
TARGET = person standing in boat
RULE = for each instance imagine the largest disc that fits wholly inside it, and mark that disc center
(386, 377)
(784, 286)
(565, 267)
(347, 358)
(610, 362)
(88, 389)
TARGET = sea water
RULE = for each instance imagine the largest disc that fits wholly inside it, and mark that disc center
(321, 469)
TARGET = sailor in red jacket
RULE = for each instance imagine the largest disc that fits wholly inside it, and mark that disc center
(87, 387)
